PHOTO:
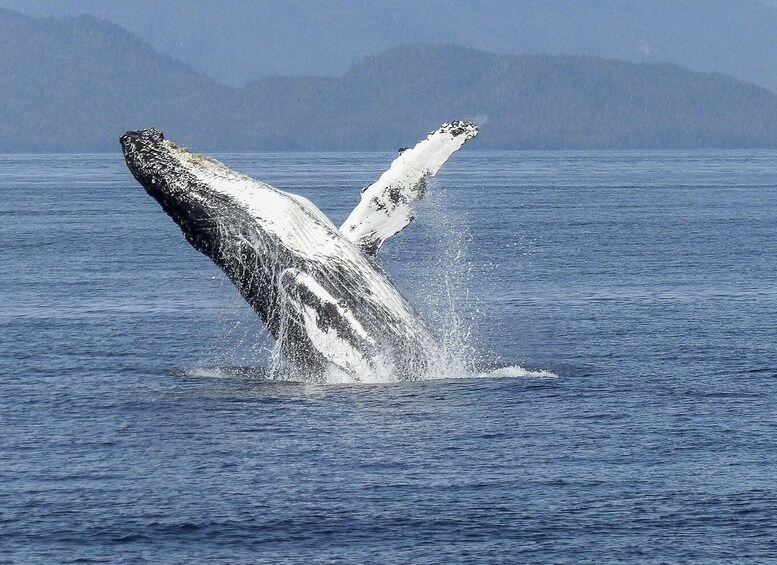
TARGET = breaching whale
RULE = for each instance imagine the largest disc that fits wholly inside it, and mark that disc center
(318, 289)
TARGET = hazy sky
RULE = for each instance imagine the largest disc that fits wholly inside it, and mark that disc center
(236, 41)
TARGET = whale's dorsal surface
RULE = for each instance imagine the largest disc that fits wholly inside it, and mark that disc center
(386, 206)
(326, 301)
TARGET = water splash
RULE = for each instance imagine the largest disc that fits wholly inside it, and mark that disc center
(438, 285)
(442, 283)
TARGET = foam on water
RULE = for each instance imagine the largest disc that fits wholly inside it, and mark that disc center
(335, 376)
(515, 372)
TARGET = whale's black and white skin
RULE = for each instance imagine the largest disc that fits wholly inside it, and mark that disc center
(318, 289)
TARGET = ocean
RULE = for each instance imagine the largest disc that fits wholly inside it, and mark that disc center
(617, 312)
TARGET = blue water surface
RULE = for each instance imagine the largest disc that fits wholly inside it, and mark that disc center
(138, 427)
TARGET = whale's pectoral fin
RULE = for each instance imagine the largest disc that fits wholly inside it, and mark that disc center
(386, 207)
(328, 324)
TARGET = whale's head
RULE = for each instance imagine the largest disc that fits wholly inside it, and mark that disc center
(200, 194)
(159, 166)
(203, 197)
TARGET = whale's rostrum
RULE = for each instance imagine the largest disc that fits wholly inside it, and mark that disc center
(319, 290)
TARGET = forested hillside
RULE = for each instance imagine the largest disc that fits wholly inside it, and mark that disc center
(75, 84)
(237, 41)
(527, 101)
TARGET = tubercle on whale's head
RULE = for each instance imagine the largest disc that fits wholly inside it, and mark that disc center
(147, 158)
(141, 135)
(134, 143)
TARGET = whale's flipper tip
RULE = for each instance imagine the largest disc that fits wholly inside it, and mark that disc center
(386, 206)
(458, 128)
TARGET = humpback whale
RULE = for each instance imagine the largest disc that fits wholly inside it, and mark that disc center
(318, 289)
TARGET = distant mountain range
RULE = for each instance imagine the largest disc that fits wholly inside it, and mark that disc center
(237, 41)
(75, 84)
